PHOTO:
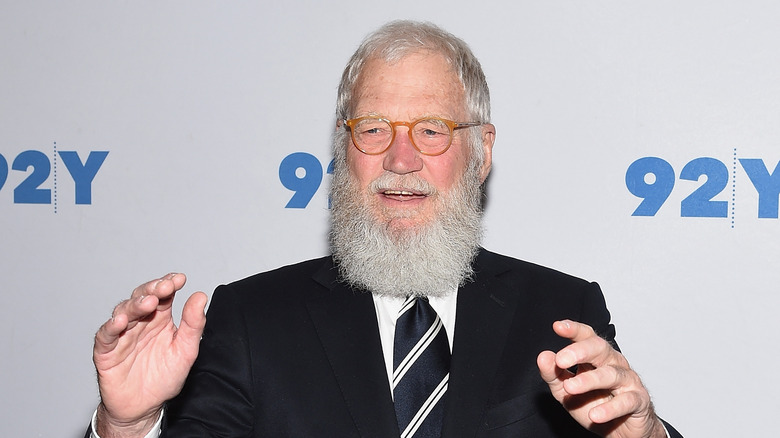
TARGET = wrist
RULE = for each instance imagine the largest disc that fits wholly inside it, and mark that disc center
(107, 426)
(658, 430)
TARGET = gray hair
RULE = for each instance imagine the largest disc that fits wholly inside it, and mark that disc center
(397, 39)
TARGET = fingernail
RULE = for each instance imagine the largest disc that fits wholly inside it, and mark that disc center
(141, 298)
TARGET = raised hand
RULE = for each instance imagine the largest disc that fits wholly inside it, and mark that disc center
(605, 395)
(142, 358)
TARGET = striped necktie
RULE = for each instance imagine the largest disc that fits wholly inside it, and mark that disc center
(421, 369)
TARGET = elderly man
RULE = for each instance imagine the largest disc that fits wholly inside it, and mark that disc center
(410, 328)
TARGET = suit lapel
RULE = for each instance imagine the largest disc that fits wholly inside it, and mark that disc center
(346, 324)
(484, 315)
(347, 327)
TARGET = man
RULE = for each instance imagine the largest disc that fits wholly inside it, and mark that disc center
(316, 349)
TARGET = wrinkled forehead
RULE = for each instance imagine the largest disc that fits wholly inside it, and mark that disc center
(421, 74)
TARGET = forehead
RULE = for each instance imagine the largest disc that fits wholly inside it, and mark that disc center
(420, 83)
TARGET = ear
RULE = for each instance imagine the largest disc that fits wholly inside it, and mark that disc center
(488, 138)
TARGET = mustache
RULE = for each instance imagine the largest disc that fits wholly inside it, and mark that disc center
(409, 182)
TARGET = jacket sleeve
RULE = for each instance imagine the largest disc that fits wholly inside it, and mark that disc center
(216, 398)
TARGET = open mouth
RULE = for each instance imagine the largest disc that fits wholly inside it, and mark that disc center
(402, 194)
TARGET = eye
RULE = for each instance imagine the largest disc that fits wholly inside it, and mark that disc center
(431, 132)
(372, 128)
(432, 128)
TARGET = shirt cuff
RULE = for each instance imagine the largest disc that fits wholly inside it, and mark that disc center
(154, 433)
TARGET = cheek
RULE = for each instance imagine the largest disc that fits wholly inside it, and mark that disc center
(448, 170)
(364, 168)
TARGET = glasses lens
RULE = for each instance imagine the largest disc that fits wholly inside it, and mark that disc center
(431, 135)
(372, 135)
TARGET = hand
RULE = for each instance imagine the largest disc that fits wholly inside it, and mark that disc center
(142, 358)
(605, 395)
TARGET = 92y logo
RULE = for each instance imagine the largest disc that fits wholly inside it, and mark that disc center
(302, 173)
(652, 179)
(39, 168)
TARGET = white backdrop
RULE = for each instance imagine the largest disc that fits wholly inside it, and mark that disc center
(195, 103)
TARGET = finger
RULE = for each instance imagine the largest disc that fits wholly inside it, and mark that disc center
(146, 297)
(547, 368)
(108, 334)
(193, 320)
(573, 330)
(162, 287)
(594, 351)
(143, 301)
(551, 373)
(628, 403)
(609, 378)
(586, 348)
(124, 316)
(134, 309)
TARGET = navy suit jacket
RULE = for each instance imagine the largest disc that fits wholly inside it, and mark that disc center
(295, 353)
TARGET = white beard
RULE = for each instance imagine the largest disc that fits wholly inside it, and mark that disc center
(432, 259)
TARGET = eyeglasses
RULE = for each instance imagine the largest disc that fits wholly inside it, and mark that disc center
(431, 136)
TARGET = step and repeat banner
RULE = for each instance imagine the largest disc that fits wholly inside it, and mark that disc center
(637, 145)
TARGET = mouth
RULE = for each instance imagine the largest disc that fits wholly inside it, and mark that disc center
(402, 194)
(406, 191)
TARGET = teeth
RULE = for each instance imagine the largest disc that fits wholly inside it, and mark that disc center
(398, 192)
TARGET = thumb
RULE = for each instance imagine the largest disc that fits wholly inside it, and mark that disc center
(193, 319)
(547, 367)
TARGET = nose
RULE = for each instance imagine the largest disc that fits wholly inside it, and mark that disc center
(402, 157)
